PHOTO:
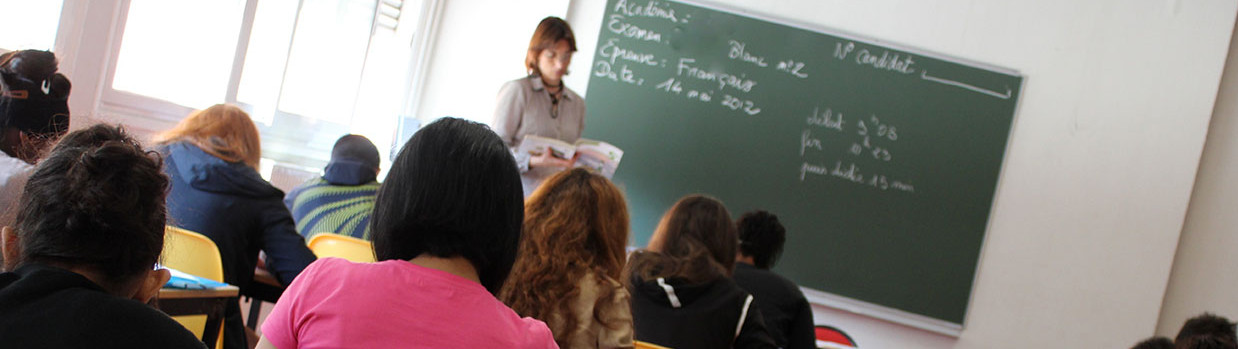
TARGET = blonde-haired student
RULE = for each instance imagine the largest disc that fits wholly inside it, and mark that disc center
(212, 157)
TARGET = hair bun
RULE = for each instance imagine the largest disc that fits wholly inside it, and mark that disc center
(28, 65)
(108, 159)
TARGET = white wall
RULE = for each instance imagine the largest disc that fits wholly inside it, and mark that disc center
(1101, 163)
(480, 44)
(1204, 277)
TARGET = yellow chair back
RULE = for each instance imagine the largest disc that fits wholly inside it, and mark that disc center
(192, 253)
(195, 254)
(341, 246)
(647, 345)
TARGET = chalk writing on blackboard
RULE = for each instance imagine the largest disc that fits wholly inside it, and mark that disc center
(924, 75)
(603, 69)
(895, 62)
(617, 25)
(792, 67)
(827, 119)
(874, 128)
(614, 52)
(724, 80)
(806, 141)
(851, 172)
(738, 52)
(871, 131)
(734, 103)
(652, 9)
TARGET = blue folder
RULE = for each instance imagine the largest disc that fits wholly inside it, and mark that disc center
(183, 280)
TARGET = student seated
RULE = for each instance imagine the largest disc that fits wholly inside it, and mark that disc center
(341, 200)
(212, 159)
(1207, 331)
(84, 247)
(788, 317)
(34, 111)
(446, 226)
(571, 261)
(682, 293)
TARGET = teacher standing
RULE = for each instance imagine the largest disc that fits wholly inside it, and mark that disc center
(540, 104)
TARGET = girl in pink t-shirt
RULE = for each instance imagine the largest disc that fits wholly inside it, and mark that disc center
(446, 226)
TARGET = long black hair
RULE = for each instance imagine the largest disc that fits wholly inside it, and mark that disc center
(453, 191)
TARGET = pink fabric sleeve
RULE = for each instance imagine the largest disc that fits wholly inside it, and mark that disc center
(282, 325)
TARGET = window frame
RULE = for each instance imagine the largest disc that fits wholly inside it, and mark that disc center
(157, 114)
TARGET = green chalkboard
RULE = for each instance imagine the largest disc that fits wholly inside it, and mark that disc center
(881, 160)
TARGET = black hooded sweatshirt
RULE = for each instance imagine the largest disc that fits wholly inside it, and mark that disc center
(672, 313)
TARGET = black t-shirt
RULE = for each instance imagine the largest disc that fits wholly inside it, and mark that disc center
(47, 307)
(788, 317)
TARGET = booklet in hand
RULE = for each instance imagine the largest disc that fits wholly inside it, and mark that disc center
(592, 154)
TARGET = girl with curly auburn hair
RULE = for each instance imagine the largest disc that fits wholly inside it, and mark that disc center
(571, 262)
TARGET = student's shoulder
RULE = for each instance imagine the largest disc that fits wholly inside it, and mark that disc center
(535, 334)
(331, 266)
(572, 95)
(11, 166)
(309, 184)
(762, 276)
(135, 325)
(784, 281)
(518, 86)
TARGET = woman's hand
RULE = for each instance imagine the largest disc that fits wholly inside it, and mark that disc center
(547, 159)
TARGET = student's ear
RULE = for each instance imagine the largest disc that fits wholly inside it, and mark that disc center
(151, 285)
(10, 246)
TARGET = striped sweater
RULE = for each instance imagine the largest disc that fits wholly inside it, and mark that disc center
(321, 207)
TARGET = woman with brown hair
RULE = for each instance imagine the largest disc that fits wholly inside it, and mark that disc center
(572, 256)
(539, 104)
(212, 158)
(682, 292)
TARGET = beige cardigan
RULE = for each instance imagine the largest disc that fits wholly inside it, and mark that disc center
(589, 333)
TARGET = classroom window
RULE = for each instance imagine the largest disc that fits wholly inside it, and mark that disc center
(308, 71)
(35, 28)
(166, 55)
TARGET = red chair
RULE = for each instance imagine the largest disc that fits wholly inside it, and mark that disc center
(833, 338)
